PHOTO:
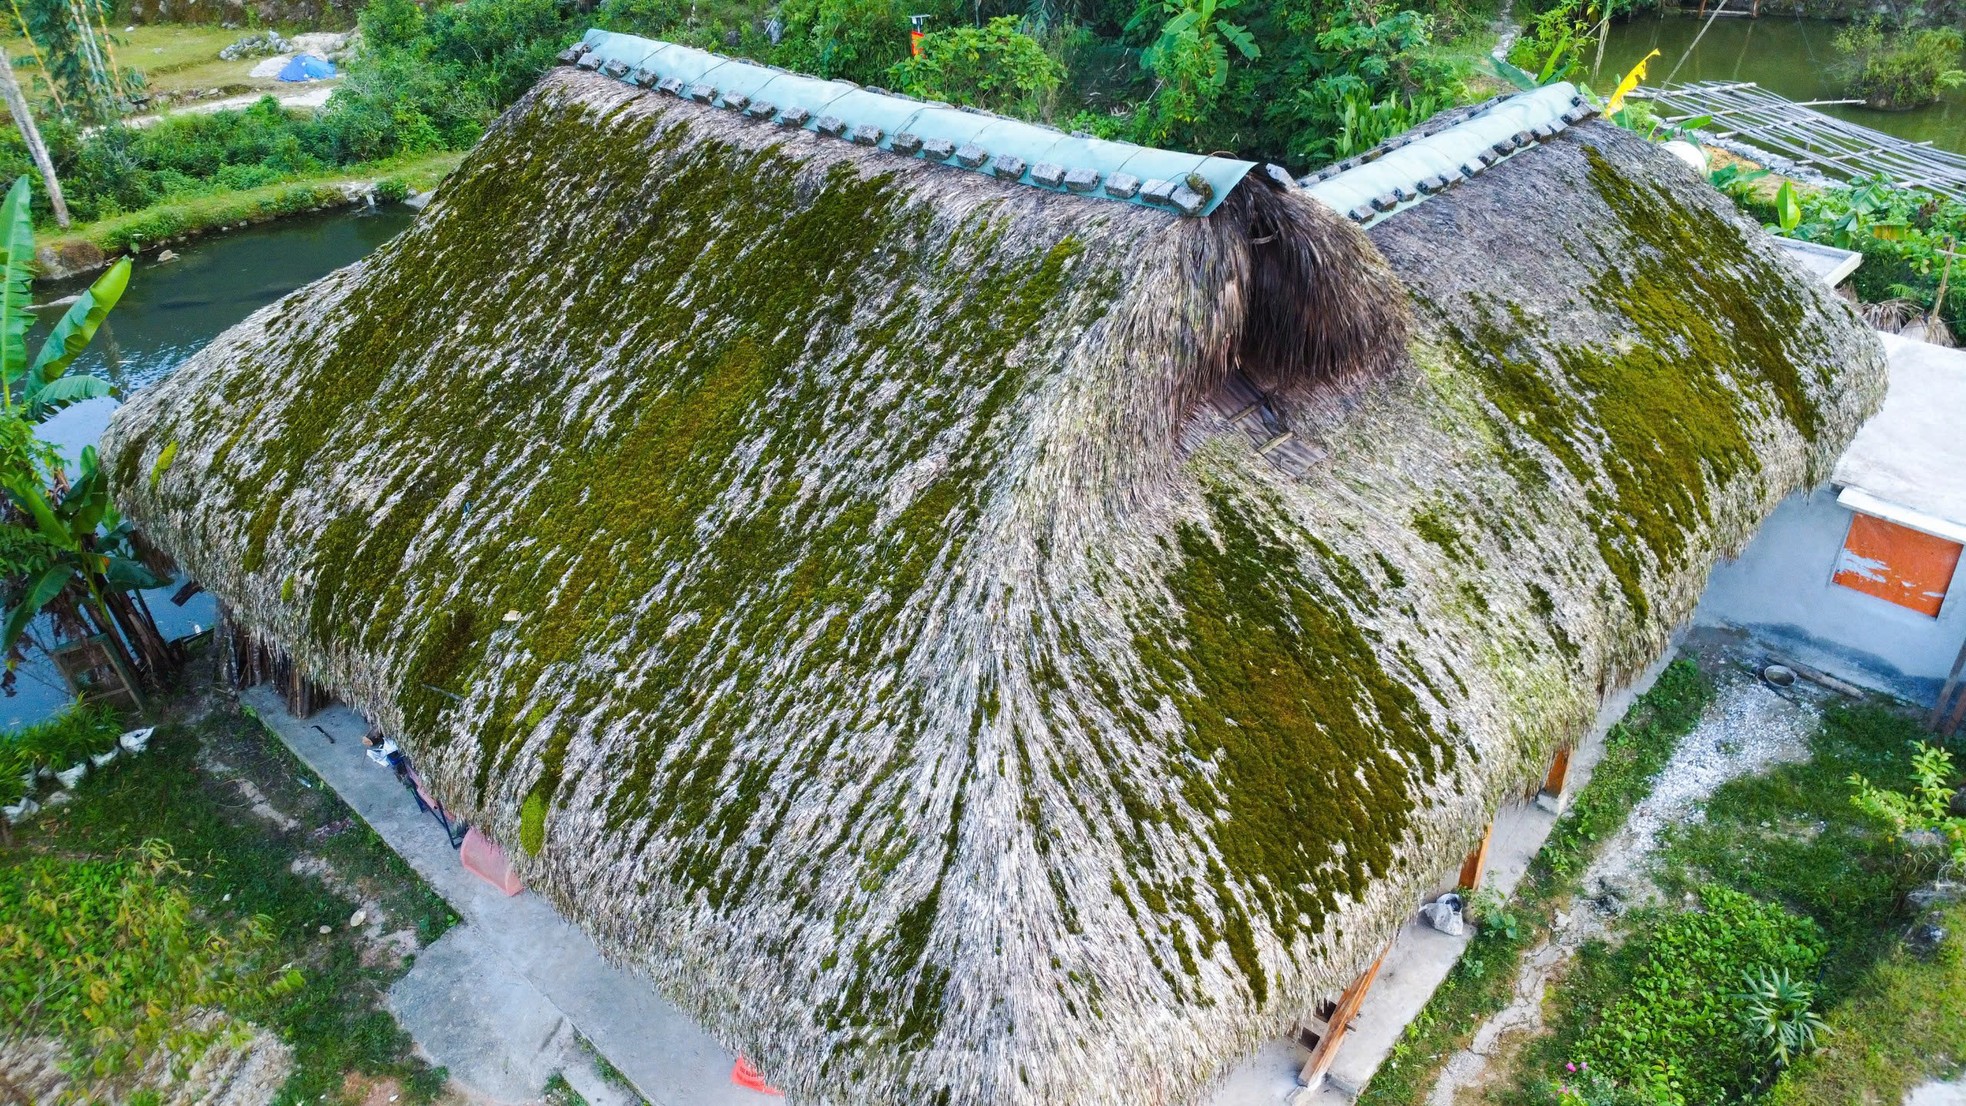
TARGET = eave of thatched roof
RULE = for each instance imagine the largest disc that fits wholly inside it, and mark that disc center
(836, 581)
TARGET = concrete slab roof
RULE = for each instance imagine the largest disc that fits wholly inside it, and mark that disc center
(1826, 263)
(1908, 463)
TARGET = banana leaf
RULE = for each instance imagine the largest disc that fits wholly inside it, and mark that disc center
(72, 335)
(38, 594)
(58, 394)
(16, 277)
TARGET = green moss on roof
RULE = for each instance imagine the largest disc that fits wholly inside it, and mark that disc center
(817, 566)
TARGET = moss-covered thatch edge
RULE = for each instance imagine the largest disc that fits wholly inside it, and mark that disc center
(874, 699)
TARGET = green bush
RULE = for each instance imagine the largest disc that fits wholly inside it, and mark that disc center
(1677, 1002)
(1903, 70)
(59, 741)
(997, 67)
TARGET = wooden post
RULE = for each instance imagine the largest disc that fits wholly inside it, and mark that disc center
(1560, 773)
(1938, 720)
(1325, 1052)
(1477, 862)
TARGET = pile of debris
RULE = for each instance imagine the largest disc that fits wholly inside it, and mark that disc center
(257, 45)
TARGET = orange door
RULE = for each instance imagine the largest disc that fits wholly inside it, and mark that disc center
(1897, 564)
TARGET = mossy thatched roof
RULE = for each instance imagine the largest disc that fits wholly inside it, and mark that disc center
(838, 583)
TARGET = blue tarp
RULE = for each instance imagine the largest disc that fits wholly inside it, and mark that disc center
(306, 67)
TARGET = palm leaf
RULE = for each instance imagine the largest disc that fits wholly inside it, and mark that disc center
(16, 279)
(73, 333)
(1515, 75)
(38, 595)
(54, 396)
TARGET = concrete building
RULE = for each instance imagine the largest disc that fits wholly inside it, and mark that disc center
(1859, 576)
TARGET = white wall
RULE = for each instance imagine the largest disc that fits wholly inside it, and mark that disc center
(1780, 591)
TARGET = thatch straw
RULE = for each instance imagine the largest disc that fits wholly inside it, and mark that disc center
(901, 665)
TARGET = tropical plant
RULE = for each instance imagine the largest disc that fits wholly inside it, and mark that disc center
(1673, 981)
(1734, 177)
(1926, 808)
(1190, 59)
(1788, 210)
(64, 549)
(860, 40)
(80, 730)
(997, 67)
(1900, 70)
(78, 557)
(1376, 75)
(72, 43)
(1776, 1016)
(39, 388)
(1553, 43)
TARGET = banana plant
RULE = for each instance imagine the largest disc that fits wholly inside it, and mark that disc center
(41, 387)
(83, 545)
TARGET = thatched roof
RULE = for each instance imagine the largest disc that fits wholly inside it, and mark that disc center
(837, 581)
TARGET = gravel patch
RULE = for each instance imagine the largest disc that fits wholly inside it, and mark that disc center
(1747, 730)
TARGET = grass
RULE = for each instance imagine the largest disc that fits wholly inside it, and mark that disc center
(174, 58)
(1903, 1022)
(194, 215)
(1791, 839)
(1482, 982)
(608, 1071)
(242, 865)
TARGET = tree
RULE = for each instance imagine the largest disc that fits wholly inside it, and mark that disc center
(73, 41)
(64, 549)
(996, 67)
(1190, 58)
(31, 134)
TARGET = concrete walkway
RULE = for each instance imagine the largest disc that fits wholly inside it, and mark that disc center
(498, 999)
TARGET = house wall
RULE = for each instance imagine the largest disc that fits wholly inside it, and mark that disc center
(1780, 591)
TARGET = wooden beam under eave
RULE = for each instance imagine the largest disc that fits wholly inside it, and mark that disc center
(1477, 863)
(1326, 1052)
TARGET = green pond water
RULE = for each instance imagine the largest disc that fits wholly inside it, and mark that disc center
(1793, 57)
(171, 310)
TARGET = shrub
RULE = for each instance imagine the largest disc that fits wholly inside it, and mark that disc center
(1903, 70)
(996, 67)
(1680, 1003)
(860, 40)
(57, 742)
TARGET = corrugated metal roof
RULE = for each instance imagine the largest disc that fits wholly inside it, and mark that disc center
(979, 142)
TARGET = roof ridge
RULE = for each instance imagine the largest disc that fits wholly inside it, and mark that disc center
(967, 138)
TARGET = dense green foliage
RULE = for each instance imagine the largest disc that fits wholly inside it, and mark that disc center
(1298, 81)
(1795, 862)
(1905, 235)
(1903, 69)
(995, 66)
(54, 743)
(234, 878)
(109, 956)
(1665, 1010)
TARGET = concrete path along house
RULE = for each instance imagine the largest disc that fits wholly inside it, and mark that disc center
(498, 999)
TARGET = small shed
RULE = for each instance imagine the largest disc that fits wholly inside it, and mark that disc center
(1860, 574)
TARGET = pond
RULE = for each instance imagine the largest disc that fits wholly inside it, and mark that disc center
(172, 309)
(1793, 57)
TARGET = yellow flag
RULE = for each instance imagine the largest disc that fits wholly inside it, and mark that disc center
(1625, 86)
